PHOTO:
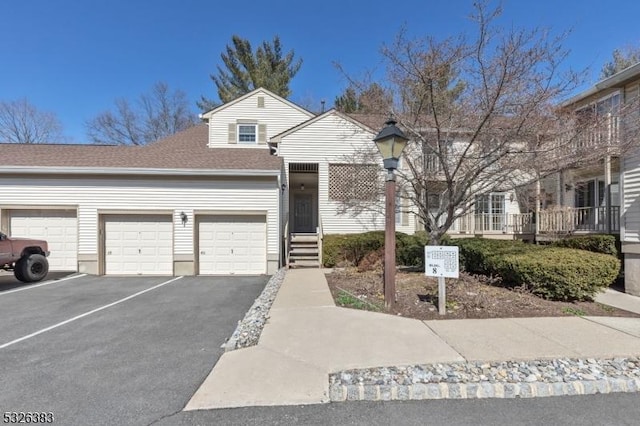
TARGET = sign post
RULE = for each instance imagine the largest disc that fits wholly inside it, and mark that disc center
(441, 262)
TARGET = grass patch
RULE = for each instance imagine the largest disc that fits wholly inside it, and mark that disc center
(606, 308)
(348, 300)
(574, 311)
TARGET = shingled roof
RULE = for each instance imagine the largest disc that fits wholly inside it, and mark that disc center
(185, 150)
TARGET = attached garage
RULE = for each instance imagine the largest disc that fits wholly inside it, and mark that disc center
(138, 244)
(232, 244)
(58, 227)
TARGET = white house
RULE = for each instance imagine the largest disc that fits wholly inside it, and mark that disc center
(253, 187)
(213, 199)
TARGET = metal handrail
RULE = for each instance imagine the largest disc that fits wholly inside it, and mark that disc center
(286, 241)
(320, 238)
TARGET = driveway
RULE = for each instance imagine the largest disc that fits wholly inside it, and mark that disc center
(106, 350)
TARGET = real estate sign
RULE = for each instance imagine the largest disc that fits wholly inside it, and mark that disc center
(441, 261)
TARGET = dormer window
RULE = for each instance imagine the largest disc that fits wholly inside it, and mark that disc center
(247, 133)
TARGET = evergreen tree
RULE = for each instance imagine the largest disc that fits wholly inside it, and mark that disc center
(620, 60)
(245, 70)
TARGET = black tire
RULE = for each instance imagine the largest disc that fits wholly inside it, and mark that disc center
(33, 268)
(17, 270)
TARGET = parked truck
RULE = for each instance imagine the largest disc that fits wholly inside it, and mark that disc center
(26, 257)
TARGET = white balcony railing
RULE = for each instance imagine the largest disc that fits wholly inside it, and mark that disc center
(562, 220)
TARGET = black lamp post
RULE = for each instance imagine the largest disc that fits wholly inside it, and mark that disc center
(391, 141)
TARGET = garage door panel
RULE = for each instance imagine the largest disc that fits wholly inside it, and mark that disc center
(138, 245)
(58, 227)
(232, 245)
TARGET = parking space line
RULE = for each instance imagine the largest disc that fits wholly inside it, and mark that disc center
(77, 317)
(73, 277)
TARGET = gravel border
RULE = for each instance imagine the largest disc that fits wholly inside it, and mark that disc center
(527, 379)
(248, 331)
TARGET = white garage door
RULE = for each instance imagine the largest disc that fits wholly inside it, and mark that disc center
(58, 227)
(232, 245)
(138, 245)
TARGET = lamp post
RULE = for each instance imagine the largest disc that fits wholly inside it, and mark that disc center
(390, 142)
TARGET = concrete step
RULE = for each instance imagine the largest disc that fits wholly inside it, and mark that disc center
(303, 251)
(295, 258)
(304, 238)
(304, 264)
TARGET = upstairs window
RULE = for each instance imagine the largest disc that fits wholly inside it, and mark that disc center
(247, 133)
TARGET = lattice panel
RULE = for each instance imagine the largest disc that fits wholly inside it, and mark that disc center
(353, 182)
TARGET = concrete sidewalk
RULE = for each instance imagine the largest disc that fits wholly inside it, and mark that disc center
(307, 337)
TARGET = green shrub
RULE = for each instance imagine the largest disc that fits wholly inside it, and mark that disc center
(554, 273)
(600, 243)
(352, 248)
(558, 273)
(476, 254)
(332, 249)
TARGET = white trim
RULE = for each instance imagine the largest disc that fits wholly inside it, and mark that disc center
(277, 138)
(255, 133)
(136, 171)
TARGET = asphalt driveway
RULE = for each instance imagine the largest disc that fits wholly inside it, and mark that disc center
(105, 350)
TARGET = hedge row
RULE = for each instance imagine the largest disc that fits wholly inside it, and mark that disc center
(599, 243)
(554, 273)
(341, 249)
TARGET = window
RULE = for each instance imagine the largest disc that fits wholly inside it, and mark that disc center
(491, 211)
(247, 133)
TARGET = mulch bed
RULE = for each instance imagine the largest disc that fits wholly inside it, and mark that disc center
(467, 297)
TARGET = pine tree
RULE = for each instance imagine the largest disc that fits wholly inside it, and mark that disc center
(245, 70)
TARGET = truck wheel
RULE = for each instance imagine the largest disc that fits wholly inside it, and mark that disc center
(32, 268)
(17, 270)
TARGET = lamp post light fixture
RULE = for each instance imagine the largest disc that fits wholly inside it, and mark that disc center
(391, 141)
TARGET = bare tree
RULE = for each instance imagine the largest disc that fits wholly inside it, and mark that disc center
(22, 122)
(480, 112)
(154, 115)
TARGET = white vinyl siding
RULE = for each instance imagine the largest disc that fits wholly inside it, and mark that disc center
(631, 197)
(94, 196)
(232, 245)
(275, 117)
(59, 228)
(332, 139)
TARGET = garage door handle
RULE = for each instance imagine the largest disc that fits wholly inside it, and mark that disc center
(203, 252)
(231, 251)
(109, 252)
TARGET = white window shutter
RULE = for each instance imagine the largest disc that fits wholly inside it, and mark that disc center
(405, 212)
(262, 133)
(232, 133)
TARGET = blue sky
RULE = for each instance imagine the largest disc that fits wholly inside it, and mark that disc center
(75, 57)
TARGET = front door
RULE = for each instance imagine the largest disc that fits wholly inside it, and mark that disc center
(303, 213)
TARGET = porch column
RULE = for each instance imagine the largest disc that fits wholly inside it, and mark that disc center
(560, 189)
(607, 193)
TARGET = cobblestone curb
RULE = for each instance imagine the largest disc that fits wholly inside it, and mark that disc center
(530, 379)
(249, 329)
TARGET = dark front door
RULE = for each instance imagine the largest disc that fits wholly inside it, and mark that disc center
(303, 213)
